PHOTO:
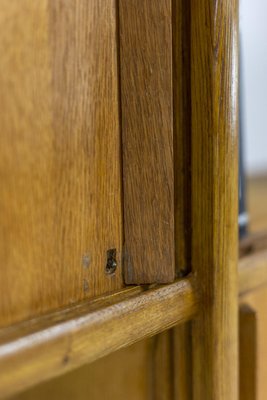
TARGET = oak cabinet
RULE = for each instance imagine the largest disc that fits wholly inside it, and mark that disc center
(119, 270)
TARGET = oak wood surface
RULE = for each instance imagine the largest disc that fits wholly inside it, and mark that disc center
(162, 373)
(182, 362)
(214, 66)
(142, 371)
(60, 192)
(213, 174)
(40, 349)
(147, 137)
(50, 346)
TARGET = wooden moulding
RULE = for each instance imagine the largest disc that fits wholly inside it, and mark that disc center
(32, 352)
(147, 140)
(214, 68)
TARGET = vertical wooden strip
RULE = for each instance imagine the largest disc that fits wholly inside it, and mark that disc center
(214, 66)
(147, 135)
(162, 366)
(247, 353)
(182, 134)
(182, 339)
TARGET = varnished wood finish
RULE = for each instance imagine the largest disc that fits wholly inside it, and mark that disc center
(36, 350)
(214, 69)
(60, 192)
(182, 361)
(140, 372)
(247, 353)
(84, 334)
(68, 212)
(147, 133)
(162, 367)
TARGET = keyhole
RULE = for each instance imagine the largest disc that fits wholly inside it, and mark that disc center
(111, 261)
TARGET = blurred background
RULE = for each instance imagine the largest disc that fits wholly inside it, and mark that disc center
(253, 28)
(253, 112)
(253, 132)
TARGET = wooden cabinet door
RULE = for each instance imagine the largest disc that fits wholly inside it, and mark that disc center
(60, 155)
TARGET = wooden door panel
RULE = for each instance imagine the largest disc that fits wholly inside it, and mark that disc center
(60, 193)
(124, 374)
(141, 371)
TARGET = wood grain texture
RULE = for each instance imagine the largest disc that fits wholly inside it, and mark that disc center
(142, 371)
(162, 367)
(53, 344)
(214, 66)
(147, 134)
(182, 362)
(247, 353)
(172, 364)
(60, 192)
(50, 346)
(41, 349)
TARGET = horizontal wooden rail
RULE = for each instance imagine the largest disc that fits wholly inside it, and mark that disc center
(37, 350)
(51, 345)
